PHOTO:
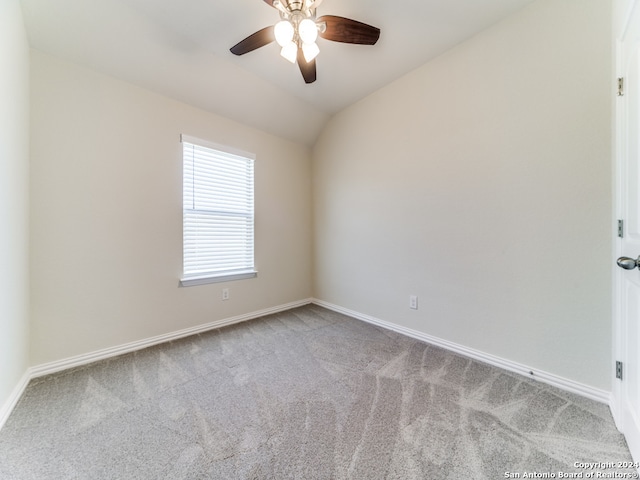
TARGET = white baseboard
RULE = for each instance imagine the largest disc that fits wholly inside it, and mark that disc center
(545, 377)
(79, 360)
(12, 401)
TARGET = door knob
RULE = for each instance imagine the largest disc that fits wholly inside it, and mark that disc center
(628, 263)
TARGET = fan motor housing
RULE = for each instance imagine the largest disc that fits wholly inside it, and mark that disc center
(293, 5)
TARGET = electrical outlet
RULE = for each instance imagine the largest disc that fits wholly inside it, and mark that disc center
(225, 294)
(413, 302)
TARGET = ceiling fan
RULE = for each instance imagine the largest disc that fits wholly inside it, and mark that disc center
(298, 29)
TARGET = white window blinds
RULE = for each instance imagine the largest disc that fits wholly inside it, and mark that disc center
(217, 212)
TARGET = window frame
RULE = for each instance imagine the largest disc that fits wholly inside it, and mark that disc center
(188, 280)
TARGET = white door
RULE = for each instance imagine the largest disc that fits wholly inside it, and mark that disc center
(627, 281)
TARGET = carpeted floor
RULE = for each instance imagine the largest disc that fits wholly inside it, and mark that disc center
(304, 394)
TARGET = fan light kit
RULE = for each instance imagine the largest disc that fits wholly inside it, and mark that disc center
(298, 29)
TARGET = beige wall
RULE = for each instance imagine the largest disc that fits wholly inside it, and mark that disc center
(106, 214)
(481, 182)
(14, 198)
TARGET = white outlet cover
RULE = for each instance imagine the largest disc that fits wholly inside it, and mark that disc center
(413, 302)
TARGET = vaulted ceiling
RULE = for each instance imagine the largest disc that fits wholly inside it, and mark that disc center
(180, 48)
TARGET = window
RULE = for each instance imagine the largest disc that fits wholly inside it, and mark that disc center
(217, 213)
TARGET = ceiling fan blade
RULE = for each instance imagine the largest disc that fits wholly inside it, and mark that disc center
(270, 2)
(340, 29)
(259, 39)
(308, 69)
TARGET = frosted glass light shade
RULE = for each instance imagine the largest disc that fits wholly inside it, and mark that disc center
(310, 51)
(284, 33)
(290, 52)
(308, 30)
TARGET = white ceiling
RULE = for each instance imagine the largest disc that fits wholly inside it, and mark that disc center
(180, 48)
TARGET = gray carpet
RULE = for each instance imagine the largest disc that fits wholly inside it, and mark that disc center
(304, 394)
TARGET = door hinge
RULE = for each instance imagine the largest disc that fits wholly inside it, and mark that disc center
(620, 86)
(621, 228)
(619, 370)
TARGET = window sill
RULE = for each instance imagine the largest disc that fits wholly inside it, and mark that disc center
(227, 277)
